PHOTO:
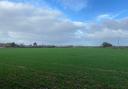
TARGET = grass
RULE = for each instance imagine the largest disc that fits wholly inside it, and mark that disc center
(63, 68)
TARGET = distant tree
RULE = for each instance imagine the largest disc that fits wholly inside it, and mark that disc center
(13, 44)
(21, 45)
(10, 44)
(35, 44)
(106, 44)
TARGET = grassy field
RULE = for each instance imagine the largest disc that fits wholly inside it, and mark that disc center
(63, 68)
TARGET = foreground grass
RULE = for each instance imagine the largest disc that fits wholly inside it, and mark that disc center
(61, 68)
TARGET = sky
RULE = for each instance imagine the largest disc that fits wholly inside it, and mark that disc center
(64, 22)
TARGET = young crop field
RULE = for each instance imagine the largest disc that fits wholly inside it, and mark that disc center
(63, 68)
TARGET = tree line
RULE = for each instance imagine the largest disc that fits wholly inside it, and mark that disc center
(16, 45)
(35, 45)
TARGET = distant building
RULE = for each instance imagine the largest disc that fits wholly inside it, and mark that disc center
(2, 45)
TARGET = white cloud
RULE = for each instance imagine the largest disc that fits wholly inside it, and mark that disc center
(108, 34)
(110, 16)
(74, 5)
(104, 16)
(107, 30)
(8, 5)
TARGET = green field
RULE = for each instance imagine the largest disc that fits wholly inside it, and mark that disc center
(63, 68)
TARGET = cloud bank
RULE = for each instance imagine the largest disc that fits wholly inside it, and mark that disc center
(25, 23)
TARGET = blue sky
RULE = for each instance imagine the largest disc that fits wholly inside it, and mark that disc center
(64, 22)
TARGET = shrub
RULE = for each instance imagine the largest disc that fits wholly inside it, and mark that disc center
(106, 44)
